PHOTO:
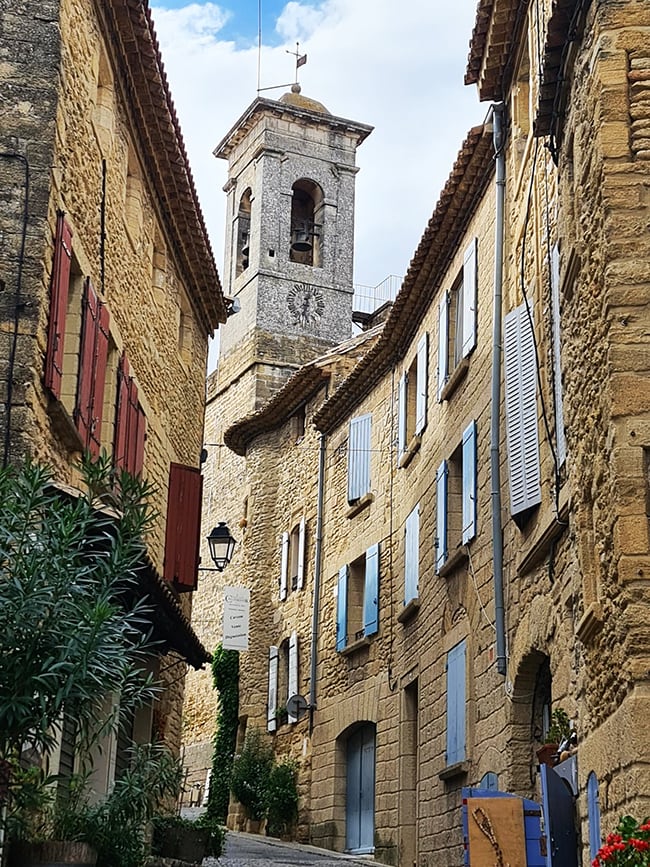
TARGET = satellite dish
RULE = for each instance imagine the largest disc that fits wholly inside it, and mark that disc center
(297, 705)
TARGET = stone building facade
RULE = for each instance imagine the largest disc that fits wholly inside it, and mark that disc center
(109, 286)
(477, 486)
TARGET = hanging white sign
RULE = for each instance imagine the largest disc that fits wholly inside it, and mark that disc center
(236, 610)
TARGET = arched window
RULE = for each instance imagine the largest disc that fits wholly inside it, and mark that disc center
(306, 243)
(593, 813)
(243, 233)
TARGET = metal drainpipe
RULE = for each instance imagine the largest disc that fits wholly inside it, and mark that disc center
(498, 138)
(317, 575)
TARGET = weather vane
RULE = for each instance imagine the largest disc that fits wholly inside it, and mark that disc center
(301, 59)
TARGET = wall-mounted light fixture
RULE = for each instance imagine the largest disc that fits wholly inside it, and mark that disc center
(221, 543)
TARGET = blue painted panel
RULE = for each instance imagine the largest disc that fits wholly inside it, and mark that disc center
(371, 592)
(342, 609)
(456, 704)
(593, 812)
(360, 791)
(559, 816)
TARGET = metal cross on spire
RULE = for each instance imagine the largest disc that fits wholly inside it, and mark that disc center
(301, 59)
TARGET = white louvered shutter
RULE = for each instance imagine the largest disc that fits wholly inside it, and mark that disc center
(560, 438)
(284, 567)
(271, 722)
(422, 376)
(359, 457)
(442, 476)
(469, 298)
(521, 411)
(402, 409)
(469, 482)
(301, 554)
(411, 555)
(293, 670)
(443, 343)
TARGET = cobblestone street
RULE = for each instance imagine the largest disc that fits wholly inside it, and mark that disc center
(243, 850)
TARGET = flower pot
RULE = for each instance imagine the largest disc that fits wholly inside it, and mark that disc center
(256, 826)
(548, 755)
(53, 853)
(184, 844)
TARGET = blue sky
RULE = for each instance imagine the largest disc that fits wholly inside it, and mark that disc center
(242, 23)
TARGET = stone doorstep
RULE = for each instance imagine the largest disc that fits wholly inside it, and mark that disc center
(302, 847)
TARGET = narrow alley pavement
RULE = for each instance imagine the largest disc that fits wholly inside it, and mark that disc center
(243, 850)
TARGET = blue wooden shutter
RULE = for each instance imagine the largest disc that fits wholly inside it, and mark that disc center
(520, 370)
(411, 555)
(560, 438)
(402, 409)
(293, 670)
(441, 514)
(271, 722)
(422, 384)
(469, 299)
(593, 813)
(469, 482)
(342, 609)
(456, 704)
(371, 592)
(284, 567)
(359, 457)
(443, 343)
(301, 555)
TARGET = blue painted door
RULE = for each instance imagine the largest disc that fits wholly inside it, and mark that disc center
(559, 816)
(535, 842)
(360, 791)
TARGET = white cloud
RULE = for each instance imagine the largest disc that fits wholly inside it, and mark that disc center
(398, 67)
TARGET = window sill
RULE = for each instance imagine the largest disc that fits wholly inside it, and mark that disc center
(459, 769)
(458, 558)
(349, 649)
(359, 505)
(590, 623)
(410, 610)
(411, 450)
(458, 375)
(542, 540)
(64, 426)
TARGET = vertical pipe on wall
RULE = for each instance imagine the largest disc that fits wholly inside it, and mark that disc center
(498, 110)
(317, 576)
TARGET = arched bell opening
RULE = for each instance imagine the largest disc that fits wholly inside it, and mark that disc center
(306, 242)
(243, 233)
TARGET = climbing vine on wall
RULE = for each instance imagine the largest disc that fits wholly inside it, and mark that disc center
(225, 675)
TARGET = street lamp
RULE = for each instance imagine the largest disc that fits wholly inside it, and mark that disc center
(221, 544)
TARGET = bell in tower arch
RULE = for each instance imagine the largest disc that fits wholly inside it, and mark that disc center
(306, 204)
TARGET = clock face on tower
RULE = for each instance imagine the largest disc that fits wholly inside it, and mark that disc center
(305, 304)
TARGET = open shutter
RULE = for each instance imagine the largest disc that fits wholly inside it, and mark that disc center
(469, 482)
(139, 424)
(183, 530)
(402, 409)
(342, 609)
(411, 555)
(560, 438)
(59, 290)
(131, 422)
(301, 555)
(359, 457)
(284, 567)
(521, 411)
(271, 722)
(371, 592)
(293, 670)
(441, 514)
(456, 704)
(423, 376)
(469, 298)
(593, 813)
(443, 343)
(92, 370)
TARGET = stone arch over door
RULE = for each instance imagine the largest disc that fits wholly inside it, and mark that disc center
(530, 706)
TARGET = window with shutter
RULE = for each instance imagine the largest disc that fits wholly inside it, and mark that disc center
(59, 288)
(359, 457)
(284, 566)
(358, 616)
(441, 514)
(92, 370)
(371, 591)
(293, 670)
(469, 304)
(456, 502)
(182, 537)
(131, 423)
(411, 555)
(272, 703)
(560, 438)
(469, 482)
(522, 438)
(456, 675)
(413, 396)
(342, 609)
(457, 320)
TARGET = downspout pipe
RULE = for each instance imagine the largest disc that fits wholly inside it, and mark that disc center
(498, 137)
(317, 579)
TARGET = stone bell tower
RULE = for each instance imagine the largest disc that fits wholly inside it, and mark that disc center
(289, 239)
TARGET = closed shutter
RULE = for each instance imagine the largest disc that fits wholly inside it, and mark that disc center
(442, 476)
(469, 298)
(443, 343)
(402, 409)
(456, 704)
(359, 457)
(342, 609)
(411, 555)
(92, 370)
(183, 530)
(271, 723)
(560, 438)
(469, 482)
(131, 423)
(293, 670)
(284, 567)
(593, 813)
(371, 592)
(422, 375)
(59, 290)
(521, 411)
(301, 554)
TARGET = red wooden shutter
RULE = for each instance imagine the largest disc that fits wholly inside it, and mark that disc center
(58, 305)
(140, 425)
(131, 423)
(122, 415)
(92, 370)
(183, 527)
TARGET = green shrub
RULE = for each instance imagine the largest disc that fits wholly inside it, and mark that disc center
(282, 798)
(251, 771)
(225, 673)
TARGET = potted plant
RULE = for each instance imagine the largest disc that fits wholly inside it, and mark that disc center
(186, 839)
(282, 799)
(629, 845)
(281, 715)
(558, 734)
(251, 770)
